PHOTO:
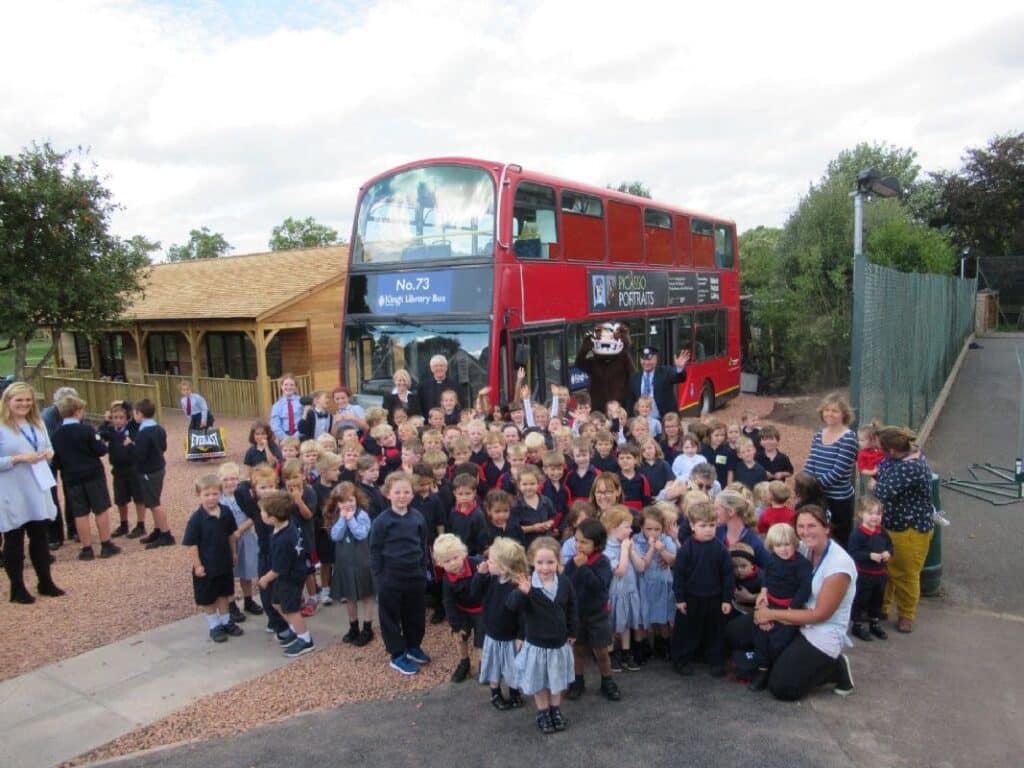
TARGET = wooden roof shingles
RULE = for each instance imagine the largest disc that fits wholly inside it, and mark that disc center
(244, 286)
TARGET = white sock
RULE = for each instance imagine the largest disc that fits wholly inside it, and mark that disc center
(225, 618)
(305, 637)
(213, 620)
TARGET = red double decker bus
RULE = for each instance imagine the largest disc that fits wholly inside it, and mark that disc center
(494, 266)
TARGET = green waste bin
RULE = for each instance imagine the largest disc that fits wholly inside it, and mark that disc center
(931, 573)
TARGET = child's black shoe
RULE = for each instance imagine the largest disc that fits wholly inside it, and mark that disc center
(121, 530)
(461, 671)
(558, 721)
(252, 607)
(610, 690)
(544, 722)
(109, 549)
(759, 681)
(630, 662)
(861, 633)
(515, 698)
(498, 701)
(218, 634)
(352, 634)
(233, 611)
(876, 629)
(616, 658)
(576, 688)
(233, 629)
(137, 532)
(365, 637)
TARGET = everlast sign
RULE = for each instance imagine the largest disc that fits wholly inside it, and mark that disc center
(205, 444)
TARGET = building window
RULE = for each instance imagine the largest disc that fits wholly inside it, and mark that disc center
(230, 355)
(83, 354)
(112, 356)
(162, 353)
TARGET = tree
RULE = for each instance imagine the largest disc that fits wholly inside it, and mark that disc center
(810, 302)
(292, 233)
(59, 265)
(637, 188)
(983, 202)
(202, 244)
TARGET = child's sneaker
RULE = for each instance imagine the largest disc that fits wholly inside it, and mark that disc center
(121, 530)
(218, 634)
(236, 615)
(616, 658)
(630, 662)
(325, 596)
(299, 648)
(861, 632)
(461, 671)
(233, 629)
(876, 629)
(287, 637)
(137, 532)
(404, 665)
(417, 655)
(312, 606)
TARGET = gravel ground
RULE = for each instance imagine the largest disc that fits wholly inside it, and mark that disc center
(110, 599)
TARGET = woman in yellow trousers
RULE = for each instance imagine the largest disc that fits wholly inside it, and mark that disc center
(904, 487)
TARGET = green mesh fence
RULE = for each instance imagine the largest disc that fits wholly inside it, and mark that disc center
(914, 327)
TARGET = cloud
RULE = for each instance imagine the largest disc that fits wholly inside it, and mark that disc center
(235, 115)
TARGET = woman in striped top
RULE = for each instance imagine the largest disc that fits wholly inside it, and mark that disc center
(832, 459)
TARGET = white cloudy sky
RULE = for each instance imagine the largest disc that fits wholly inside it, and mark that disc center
(236, 114)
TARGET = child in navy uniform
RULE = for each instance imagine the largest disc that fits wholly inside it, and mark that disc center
(289, 563)
(787, 584)
(498, 507)
(401, 565)
(547, 602)
(368, 472)
(263, 448)
(871, 548)
(636, 490)
(505, 564)
(535, 514)
(581, 479)
(118, 432)
(462, 598)
(591, 575)
(466, 519)
(210, 538)
(553, 467)
(150, 447)
(703, 582)
(77, 450)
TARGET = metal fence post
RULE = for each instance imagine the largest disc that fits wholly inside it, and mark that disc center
(857, 331)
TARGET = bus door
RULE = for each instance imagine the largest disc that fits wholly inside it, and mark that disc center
(541, 351)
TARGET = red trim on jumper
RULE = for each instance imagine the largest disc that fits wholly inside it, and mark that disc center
(779, 602)
(594, 558)
(465, 509)
(869, 531)
(873, 571)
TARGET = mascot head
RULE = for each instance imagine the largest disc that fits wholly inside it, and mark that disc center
(610, 339)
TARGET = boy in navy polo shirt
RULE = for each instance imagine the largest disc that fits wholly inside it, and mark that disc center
(77, 451)
(118, 432)
(466, 520)
(288, 567)
(211, 541)
(150, 447)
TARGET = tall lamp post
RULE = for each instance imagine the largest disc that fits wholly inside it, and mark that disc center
(869, 182)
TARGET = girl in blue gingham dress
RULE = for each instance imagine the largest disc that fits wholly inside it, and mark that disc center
(547, 602)
(248, 545)
(624, 593)
(653, 554)
(506, 562)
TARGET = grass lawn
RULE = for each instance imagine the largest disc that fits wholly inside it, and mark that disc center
(36, 349)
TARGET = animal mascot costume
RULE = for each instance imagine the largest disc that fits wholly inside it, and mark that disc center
(604, 357)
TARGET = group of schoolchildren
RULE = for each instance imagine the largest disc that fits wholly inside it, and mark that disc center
(544, 540)
(135, 445)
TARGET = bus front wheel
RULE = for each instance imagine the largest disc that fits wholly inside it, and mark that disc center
(707, 399)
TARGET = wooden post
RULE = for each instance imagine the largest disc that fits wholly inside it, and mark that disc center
(193, 354)
(262, 379)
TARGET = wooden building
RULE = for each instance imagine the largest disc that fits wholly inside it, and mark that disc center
(232, 325)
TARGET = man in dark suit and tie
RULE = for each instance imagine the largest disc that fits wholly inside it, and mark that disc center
(658, 381)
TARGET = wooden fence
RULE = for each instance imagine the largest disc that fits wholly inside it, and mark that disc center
(230, 397)
(303, 381)
(99, 394)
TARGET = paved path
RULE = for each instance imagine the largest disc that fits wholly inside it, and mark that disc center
(978, 425)
(945, 696)
(62, 710)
